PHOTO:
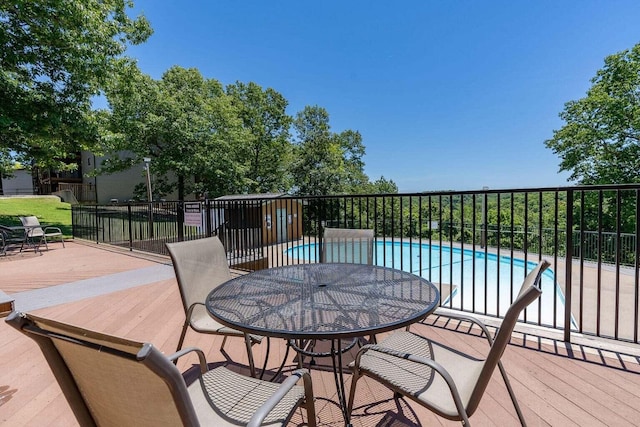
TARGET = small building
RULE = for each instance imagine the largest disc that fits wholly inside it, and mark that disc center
(272, 217)
(247, 223)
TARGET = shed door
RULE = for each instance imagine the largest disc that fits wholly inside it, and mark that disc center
(281, 214)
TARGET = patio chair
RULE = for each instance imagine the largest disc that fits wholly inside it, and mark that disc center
(444, 380)
(201, 265)
(347, 246)
(353, 246)
(112, 381)
(36, 233)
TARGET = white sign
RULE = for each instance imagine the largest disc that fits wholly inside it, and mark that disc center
(193, 214)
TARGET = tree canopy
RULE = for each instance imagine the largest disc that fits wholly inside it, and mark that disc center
(326, 162)
(54, 57)
(185, 123)
(600, 141)
(266, 150)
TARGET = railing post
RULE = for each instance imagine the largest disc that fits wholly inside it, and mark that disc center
(568, 265)
(207, 209)
(483, 230)
(180, 212)
(151, 232)
(321, 245)
(130, 227)
(96, 218)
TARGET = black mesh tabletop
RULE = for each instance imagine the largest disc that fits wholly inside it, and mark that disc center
(323, 300)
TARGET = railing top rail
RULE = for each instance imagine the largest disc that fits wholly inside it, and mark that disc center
(270, 197)
(607, 187)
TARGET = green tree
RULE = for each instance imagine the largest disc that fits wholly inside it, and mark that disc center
(600, 141)
(55, 55)
(185, 123)
(267, 149)
(353, 151)
(326, 163)
(381, 186)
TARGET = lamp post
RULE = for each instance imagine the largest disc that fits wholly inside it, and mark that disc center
(147, 166)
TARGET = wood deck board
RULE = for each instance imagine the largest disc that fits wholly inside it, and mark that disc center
(556, 385)
(584, 382)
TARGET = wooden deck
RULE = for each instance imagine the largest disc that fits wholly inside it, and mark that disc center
(591, 383)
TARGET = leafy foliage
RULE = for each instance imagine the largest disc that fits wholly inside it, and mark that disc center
(54, 57)
(325, 162)
(185, 123)
(266, 150)
(202, 138)
(600, 141)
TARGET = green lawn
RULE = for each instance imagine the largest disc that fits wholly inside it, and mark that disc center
(49, 210)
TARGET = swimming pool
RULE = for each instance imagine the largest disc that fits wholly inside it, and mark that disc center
(490, 280)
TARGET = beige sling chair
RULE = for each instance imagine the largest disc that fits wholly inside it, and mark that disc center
(444, 380)
(200, 266)
(345, 245)
(111, 381)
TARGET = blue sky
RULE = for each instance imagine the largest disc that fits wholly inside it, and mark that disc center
(448, 95)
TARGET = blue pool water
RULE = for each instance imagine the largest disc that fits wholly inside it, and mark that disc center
(491, 280)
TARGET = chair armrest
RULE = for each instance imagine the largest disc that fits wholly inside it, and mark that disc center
(469, 319)
(262, 412)
(201, 357)
(254, 338)
(422, 360)
(56, 229)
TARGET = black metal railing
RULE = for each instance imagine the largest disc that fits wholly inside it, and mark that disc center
(476, 245)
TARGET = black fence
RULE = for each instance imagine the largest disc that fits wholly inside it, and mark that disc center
(476, 245)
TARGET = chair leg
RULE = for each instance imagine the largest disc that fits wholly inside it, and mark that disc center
(352, 392)
(309, 401)
(224, 341)
(182, 335)
(511, 394)
(252, 366)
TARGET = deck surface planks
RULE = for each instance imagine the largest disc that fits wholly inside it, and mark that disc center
(555, 385)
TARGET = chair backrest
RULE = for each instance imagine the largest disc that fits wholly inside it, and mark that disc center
(200, 266)
(530, 290)
(33, 224)
(108, 380)
(345, 245)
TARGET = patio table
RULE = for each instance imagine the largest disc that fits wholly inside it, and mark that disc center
(323, 301)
